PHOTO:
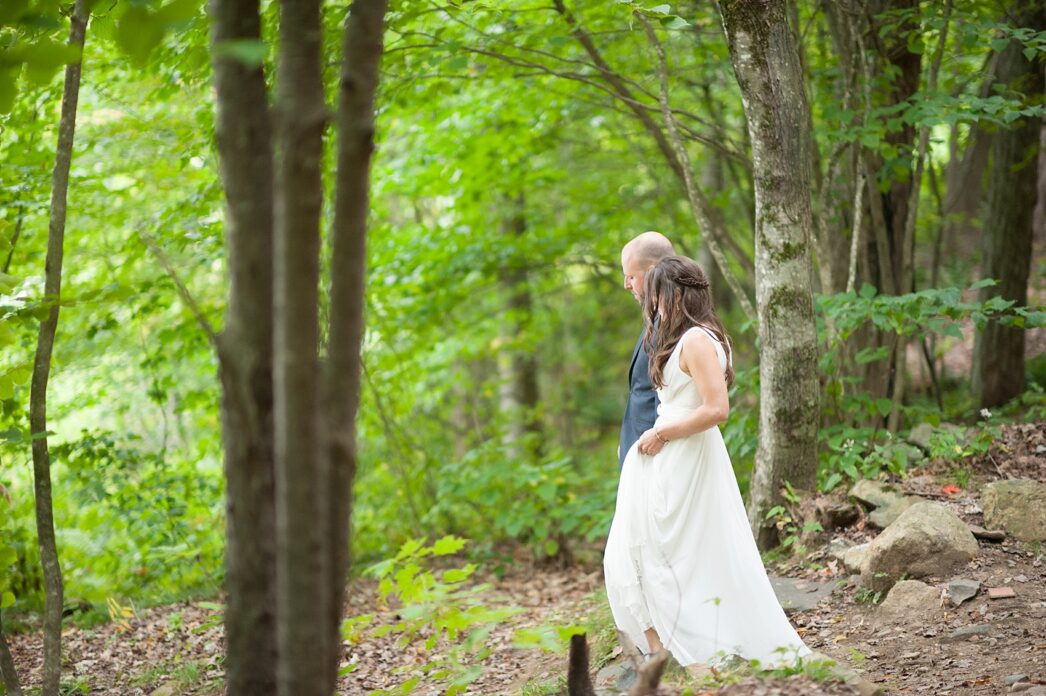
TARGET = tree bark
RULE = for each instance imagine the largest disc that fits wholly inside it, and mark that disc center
(766, 63)
(998, 368)
(7, 666)
(355, 122)
(52, 571)
(244, 139)
(303, 573)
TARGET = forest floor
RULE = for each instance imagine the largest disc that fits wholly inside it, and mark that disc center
(177, 649)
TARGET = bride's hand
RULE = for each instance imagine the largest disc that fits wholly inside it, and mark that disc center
(650, 443)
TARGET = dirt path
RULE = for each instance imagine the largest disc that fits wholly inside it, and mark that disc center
(970, 650)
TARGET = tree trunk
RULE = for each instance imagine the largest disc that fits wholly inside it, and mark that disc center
(766, 62)
(303, 572)
(357, 87)
(52, 571)
(244, 139)
(7, 666)
(998, 369)
(518, 392)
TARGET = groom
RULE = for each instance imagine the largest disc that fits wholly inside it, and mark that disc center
(638, 257)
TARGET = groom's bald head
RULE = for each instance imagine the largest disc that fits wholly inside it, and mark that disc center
(639, 256)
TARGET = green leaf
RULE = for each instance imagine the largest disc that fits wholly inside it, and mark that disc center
(138, 32)
(8, 88)
(7, 283)
(884, 406)
(178, 11)
(7, 600)
(1029, 53)
(674, 23)
(12, 10)
(551, 547)
(867, 291)
(448, 544)
(43, 59)
(250, 52)
(660, 10)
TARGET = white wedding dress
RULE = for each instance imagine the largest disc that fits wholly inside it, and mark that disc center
(681, 558)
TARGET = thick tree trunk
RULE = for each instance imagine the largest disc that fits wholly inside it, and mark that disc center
(766, 62)
(355, 122)
(52, 571)
(303, 573)
(998, 370)
(244, 138)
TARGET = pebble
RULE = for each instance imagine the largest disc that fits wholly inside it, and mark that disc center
(1014, 678)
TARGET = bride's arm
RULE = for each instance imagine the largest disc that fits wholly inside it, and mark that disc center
(698, 358)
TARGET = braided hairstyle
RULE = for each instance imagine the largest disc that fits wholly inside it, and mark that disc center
(677, 296)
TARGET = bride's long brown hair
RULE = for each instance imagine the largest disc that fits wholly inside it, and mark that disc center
(677, 296)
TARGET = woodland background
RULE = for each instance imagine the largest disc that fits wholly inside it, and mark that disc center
(519, 145)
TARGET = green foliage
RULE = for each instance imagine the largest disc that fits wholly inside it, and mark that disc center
(864, 595)
(541, 504)
(440, 610)
(787, 523)
(957, 443)
(854, 453)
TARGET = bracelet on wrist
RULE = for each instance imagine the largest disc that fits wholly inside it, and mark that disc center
(658, 436)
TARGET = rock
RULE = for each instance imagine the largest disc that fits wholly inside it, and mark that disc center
(855, 559)
(800, 595)
(1036, 691)
(967, 632)
(875, 494)
(833, 514)
(1020, 686)
(910, 598)
(920, 436)
(987, 534)
(961, 589)
(927, 539)
(1014, 678)
(884, 516)
(1017, 506)
(165, 690)
(837, 548)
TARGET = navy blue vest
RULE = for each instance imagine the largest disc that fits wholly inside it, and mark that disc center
(641, 410)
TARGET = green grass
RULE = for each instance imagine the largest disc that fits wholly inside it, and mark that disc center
(181, 676)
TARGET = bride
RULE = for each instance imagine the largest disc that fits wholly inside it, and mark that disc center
(682, 569)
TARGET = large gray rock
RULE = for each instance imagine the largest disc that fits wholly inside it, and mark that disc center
(910, 598)
(855, 559)
(883, 517)
(1017, 506)
(927, 539)
(875, 494)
